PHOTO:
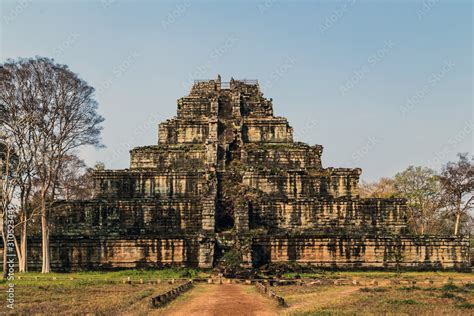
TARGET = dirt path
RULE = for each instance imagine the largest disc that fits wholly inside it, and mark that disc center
(222, 300)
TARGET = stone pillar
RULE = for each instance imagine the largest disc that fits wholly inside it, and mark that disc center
(247, 257)
(209, 203)
(206, 253)
(241, 218)
(235, 101)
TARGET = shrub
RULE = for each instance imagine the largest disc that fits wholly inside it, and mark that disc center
(404, 302)
(375, 289)
(232, 260)
(466, 305)
(453, 288)
(409, 288)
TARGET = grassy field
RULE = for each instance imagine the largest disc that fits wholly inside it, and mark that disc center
(434, 293)
(105, 293)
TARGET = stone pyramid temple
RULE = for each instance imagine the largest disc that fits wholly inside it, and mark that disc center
(226, 175)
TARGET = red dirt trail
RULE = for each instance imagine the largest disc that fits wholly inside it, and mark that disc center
(222, 300)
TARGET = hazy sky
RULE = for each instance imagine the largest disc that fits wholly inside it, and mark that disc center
(381, 85)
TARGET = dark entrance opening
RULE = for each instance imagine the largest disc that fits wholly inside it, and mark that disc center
(224, 219)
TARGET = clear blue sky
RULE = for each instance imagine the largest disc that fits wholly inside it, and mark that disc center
(381, 85)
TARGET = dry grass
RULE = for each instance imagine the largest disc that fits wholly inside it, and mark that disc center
(455, 298)
(100, 294)
(105, 294)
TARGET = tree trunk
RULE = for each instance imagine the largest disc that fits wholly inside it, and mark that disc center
(456, 223)
(23, 248)
(46, 266)
(23, 264)
(458, 216)
(5, 258)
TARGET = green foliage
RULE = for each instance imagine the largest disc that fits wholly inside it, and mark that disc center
(422, 189)
(232, 260)
(374, 289)
(409, 288)
(453, 296)
(469, 286)
(450, 287)
(466, 305)
(404, 302)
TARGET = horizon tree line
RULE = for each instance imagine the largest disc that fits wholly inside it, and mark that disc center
(47, 113)
(437, 202)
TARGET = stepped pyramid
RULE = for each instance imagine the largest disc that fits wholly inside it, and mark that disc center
(227, 174)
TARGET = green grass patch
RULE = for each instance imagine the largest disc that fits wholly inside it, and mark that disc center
(97, 277)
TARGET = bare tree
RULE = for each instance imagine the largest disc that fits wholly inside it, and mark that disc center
(457, 180)
(16, 129)
(14, 135)
(62, 114)
(384, 188)
(7, 193)
(75, 180)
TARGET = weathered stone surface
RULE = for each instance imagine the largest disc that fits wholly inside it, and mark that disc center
(227, 174)
(366, 251)
(125, 252)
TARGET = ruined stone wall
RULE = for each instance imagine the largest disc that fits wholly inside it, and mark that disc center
(192, 107)
(150, 183)
(225, 170)
(178, 131)
(343, 216)
(169, 157)
(291, 184)
(72, 254)
(128, 217)
(270, 130)
(283, 156)
(335, 252)
(428, 252)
